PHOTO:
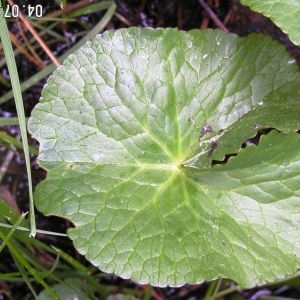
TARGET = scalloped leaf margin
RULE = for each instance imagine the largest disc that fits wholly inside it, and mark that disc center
(128, 128)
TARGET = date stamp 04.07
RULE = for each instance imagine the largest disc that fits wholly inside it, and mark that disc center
(14, 10)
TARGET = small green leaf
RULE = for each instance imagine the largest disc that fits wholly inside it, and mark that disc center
(128, 128)
(284, 13)
(71, 289)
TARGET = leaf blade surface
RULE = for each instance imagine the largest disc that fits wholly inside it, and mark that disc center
(285, 14)
(128, 128)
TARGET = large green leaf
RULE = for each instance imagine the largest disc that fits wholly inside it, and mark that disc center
(285, 13)
(128, 128)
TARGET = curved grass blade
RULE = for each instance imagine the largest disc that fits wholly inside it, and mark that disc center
(12, 68)
(50, 68)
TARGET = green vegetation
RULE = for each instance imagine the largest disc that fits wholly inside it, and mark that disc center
(284, 13)
(128, 134)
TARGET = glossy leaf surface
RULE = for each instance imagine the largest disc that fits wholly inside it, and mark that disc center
(128, 128)
(284, 13)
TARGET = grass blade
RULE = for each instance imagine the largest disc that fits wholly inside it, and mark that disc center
(21, 228)
(10, 141)
(92, 8)
(9, 121)
(25, 277)
(50, 68)
(15, 82)
(26, 268)
(11, 232)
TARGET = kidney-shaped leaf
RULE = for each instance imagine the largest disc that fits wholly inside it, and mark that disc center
(128, 128)
(285, 13)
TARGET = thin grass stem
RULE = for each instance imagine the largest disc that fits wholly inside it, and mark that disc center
(15, 82)
(37, 230)
(50, 68)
